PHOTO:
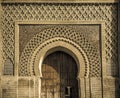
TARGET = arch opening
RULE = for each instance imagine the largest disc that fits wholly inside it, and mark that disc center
(64, 50)
(59, 73)
(61, 44)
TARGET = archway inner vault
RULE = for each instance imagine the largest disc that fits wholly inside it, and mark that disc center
(59, 72)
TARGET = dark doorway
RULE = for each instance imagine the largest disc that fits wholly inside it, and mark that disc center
(59, 72)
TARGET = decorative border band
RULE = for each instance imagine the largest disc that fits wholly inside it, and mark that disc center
(59, 1)
(101, 23)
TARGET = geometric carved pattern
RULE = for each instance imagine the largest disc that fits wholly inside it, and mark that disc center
(62, 32)
(88, 12)
(8, 67)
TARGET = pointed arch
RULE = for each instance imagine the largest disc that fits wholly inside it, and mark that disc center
(61, 44)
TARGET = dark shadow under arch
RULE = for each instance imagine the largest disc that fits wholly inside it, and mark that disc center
(59, 78)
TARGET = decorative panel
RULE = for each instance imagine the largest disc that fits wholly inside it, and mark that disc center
(75, 33)
(86, 12)
(8, 67)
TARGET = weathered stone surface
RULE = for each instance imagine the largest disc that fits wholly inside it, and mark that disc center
(9, 87)
(111, 88)
(22, 23)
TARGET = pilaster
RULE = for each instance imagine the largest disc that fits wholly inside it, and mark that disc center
(119, 40)
(0, 47)
(119, 36)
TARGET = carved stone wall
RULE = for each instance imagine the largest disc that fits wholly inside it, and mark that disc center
(75, 33)
(99, 12)
(92, 87)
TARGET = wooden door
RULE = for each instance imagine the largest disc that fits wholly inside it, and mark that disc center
(59, 76)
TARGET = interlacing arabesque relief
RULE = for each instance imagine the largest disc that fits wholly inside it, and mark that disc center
(62, 32)
(61, 12)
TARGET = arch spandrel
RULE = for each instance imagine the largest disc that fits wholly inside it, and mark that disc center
(59, 35)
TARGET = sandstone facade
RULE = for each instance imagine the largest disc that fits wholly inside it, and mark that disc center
(87, 31)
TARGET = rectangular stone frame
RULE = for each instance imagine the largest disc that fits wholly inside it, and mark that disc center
(102, 44)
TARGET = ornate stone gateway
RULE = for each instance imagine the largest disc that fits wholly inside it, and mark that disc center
(69, 38)
(59, 49)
